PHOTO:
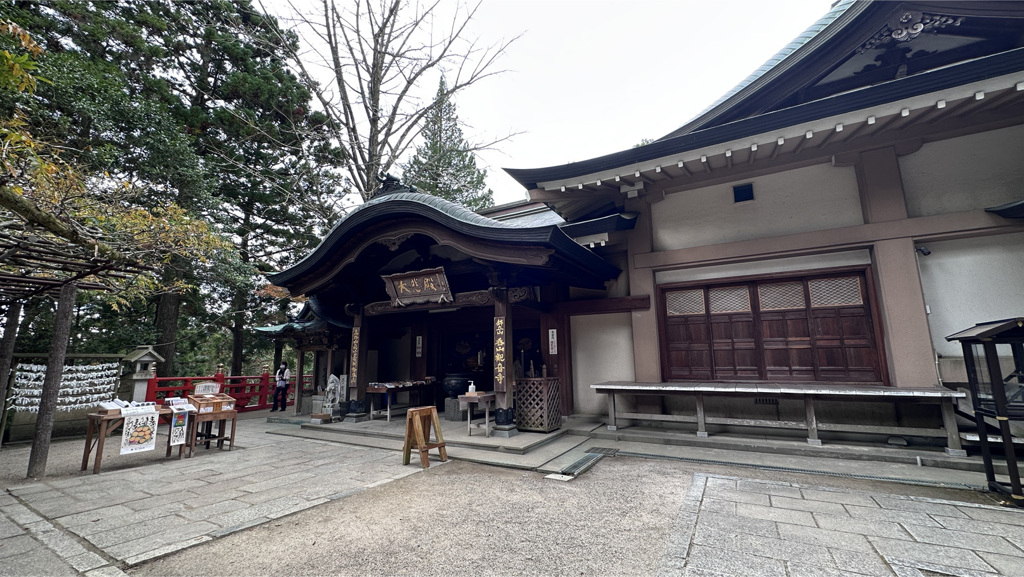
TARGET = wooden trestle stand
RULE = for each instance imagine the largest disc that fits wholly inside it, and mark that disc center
(417, 435)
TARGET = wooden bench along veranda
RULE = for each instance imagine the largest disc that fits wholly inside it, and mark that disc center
(810, 392)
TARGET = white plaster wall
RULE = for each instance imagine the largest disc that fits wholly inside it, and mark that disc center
(791, 264)
(969, 281)
(817, 197)
(602, 350)
(967, 173)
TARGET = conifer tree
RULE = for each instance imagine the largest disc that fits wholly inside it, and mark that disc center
(444, 164)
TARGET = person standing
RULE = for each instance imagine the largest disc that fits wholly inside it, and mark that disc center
(281, 387)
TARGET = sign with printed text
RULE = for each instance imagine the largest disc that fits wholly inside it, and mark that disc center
(139, 433)
(207, 388)
(179, 425)
(424, 286)
(552, 341)
(500, 354)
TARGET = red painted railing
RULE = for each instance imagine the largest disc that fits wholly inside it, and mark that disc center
(251, 393)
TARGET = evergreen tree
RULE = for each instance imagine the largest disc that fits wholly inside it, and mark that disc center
(192, 103)
(444, 165)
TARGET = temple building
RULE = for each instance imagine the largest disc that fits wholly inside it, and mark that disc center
(821, 228)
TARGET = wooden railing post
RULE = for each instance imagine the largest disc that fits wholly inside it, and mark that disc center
(151, 385)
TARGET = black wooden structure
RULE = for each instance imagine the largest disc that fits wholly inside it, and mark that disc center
(997, 389)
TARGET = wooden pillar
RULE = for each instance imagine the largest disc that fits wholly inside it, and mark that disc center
(504, 376)
(357, 359)
(51, 381)
(646, 358)
(555, 353)
(419, 351)
(907, 334)
(300, 367)
(908, 344)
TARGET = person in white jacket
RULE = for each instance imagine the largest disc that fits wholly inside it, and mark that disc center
(281, 387)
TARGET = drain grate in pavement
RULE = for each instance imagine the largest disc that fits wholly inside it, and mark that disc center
(602, 451)
(581, 465)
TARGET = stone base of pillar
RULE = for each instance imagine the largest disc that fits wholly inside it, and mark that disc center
(504, 431)
(357, 417)
(452, 411)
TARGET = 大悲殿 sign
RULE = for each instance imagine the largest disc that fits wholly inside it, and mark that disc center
(423, 286)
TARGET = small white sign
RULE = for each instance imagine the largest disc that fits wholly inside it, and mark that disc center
(207, 388)
(419, 346)
(552, 341)
(142, 410)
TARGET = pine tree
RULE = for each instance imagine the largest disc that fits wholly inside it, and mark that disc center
(444, 164)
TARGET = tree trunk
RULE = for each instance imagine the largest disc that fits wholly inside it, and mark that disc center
(7, 358)
(239, 304)
(51, 381)
(167, 309)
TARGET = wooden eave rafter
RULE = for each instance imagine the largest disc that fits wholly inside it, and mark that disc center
(932, 116)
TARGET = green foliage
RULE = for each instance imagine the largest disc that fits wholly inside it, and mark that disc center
(444, 165)
(186, 110)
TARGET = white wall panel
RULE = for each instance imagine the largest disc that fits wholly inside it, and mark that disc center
(967, 173)
(602, 350)
(970, 281)
(817, 197)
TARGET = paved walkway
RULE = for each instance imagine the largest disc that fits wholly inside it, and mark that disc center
(740, 526)
(94, 524)
(134, 512)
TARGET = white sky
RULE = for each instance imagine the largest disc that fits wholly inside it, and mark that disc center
(592, 77)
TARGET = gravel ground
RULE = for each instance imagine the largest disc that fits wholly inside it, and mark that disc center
(615, 519)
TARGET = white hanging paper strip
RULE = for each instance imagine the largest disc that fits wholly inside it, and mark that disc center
(81, 387)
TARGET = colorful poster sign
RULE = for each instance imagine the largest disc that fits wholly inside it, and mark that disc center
(179, 425)
(139, 433)
(424, 286)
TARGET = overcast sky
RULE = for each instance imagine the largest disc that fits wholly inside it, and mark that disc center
(592, 77)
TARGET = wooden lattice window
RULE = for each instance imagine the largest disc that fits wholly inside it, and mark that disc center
(835, 292)
(685, 302)
(781, 296)
(734, 299)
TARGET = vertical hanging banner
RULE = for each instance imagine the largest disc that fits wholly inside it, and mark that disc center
(552, 341)
(353, 371)
(139, 433)
(179, 425)
(500, 350)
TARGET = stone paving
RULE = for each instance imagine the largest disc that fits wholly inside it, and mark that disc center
(95, 524)
(732, 526)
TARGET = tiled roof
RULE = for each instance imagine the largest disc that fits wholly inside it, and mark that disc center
(837, 9)
(456, 211)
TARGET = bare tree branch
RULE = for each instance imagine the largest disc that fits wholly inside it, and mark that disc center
(377, 55)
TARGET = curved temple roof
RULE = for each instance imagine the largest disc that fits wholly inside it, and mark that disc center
(453, 216)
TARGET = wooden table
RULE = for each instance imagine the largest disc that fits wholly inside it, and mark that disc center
(386, 391)
(101, 425)
(207, 419)
(484, 399)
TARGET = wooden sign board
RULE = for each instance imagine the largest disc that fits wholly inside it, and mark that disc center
(424, 286)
